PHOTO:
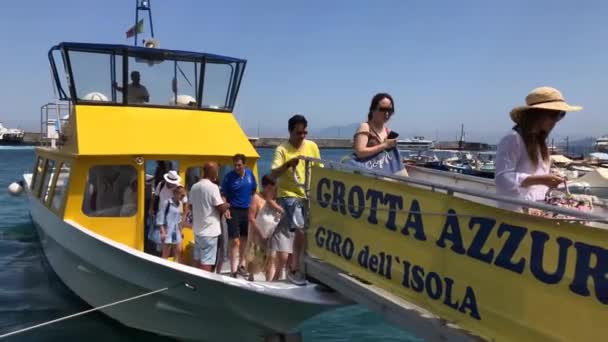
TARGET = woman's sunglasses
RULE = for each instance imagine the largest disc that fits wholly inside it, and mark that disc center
(557, 115)
(388, 110)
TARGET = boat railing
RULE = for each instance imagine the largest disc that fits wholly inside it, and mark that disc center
(449, 190)
(53, 117)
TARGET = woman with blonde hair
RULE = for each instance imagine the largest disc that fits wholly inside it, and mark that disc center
(522, 157)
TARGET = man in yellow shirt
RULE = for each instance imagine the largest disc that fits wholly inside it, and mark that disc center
(289, 237)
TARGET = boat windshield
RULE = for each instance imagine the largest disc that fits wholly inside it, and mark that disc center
(137, 76)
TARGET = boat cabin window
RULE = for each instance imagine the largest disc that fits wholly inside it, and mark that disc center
(61, 186)
(49, 170)
(128, 75)
(194, 174)
(37, 174)
(93, 76)
(111, 191)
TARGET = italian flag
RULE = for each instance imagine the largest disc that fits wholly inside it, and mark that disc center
(139, 28)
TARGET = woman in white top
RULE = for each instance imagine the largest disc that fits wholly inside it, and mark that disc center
(522, 158)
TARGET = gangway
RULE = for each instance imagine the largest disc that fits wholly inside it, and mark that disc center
(441, 263)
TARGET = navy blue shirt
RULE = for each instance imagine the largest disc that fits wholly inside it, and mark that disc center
(238, 190)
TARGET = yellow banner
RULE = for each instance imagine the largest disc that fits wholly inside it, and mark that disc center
(502, 275)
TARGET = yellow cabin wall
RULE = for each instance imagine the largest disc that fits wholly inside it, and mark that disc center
(126, 230)
(120, 130)
(117, 135)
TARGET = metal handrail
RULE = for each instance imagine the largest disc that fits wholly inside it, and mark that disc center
(450, 190)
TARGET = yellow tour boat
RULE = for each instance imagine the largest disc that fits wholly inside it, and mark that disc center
(88, 195)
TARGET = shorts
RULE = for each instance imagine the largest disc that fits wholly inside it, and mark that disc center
(174, 235)
(205, 249)
(239, 223)
(295, 213)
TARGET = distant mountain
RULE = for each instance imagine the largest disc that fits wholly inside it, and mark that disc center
(344, 131)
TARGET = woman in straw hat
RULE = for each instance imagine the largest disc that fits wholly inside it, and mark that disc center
(522, 158)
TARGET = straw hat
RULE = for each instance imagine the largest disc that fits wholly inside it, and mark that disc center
(545, 98)
(172, 177)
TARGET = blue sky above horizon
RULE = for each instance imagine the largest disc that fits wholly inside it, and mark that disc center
(445, 63)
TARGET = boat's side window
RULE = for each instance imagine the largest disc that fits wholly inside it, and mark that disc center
(111, 191)
(193, 175)
(217, 89)
(224, 169)
(61, 186)
(92, 76)
(36, 175)
(49, 170)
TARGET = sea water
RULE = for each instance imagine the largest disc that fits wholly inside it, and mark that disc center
(31, 293)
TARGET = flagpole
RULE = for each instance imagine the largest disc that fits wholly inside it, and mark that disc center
(150, 18)
(136, 20)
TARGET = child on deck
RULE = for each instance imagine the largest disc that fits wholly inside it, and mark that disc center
(169, 218)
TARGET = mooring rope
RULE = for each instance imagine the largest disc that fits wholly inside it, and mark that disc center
(16, 332)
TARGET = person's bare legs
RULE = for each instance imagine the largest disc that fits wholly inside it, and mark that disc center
(270, 266)
(298, 248)
(176, 250)
(234, 249)
(208, 268)
(281, 261)
(242, 245)
(165, 251)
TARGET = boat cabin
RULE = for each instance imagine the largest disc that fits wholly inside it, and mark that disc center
(130, 108)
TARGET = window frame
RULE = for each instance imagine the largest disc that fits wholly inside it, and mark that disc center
(63, 200)
(36, 175)
(49, 188)
(237, 65)
(87, 172)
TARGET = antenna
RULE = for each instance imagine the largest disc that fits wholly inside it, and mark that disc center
(144, 6)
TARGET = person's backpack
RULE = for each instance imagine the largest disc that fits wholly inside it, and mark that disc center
(167, 209)
(157, 196)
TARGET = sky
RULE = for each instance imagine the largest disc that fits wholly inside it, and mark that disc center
(446, 63)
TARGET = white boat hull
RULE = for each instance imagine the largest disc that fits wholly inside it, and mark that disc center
(213, 307)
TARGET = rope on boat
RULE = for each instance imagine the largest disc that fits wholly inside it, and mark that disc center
(428, 213)
(16, 332)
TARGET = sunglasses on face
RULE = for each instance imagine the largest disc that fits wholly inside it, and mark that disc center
(388, 110)
(557, 115)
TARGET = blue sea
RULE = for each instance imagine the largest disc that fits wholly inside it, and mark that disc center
(31, 293)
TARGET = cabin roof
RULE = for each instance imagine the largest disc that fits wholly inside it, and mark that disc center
(119, 49)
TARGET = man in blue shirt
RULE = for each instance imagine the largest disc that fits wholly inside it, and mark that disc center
(238, 186)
